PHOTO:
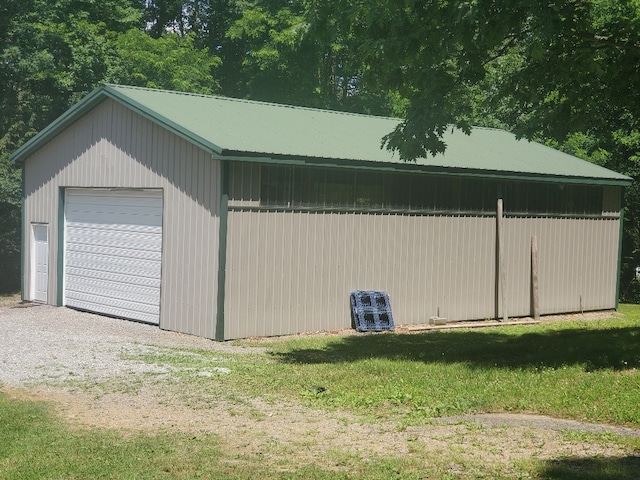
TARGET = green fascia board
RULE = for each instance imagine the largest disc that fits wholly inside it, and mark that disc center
(246, 130)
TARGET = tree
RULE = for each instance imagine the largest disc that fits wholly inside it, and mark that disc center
(170, 61)
(10, 220)
(53, 53)
(572, 65)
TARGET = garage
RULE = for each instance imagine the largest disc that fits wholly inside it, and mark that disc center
(113, 251)
(229, 218)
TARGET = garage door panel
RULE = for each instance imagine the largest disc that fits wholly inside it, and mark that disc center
(79, 289)
(112, 304)
(121, 310)
(95, 232)
(110, 276)
(106, 199)
(105, 262)
(113, 252)
(112, 217)
(81, 252)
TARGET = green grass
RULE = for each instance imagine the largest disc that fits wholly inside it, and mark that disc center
(35, 445)
(8, 299)
(579, 370)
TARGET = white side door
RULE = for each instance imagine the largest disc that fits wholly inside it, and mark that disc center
(39, 261)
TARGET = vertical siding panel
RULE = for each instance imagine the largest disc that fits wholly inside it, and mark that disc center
(561, 293)
(338, 285)
(414, 258)
(258, 270)
(430, 292)
(401, 266)
(568, 300)
(282, 266)
(586, 279)
(577, 255)
(190, 166)
(412, 308)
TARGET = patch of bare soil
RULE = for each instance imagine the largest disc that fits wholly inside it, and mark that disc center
(252, 428)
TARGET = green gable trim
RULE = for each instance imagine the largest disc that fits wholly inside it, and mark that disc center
(72, 115)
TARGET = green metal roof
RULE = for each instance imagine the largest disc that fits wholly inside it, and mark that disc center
(246, 130)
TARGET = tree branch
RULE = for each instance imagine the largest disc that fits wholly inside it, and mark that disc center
(603, 41)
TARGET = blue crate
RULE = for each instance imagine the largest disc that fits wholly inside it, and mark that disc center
(371, 311)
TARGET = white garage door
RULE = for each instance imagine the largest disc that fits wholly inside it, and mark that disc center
(113, 247)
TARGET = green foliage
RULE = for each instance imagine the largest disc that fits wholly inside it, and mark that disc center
(434, 52)
(275, 52)
(10, 220)
(171, 62)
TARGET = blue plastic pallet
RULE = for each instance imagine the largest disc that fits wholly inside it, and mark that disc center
(371, 311)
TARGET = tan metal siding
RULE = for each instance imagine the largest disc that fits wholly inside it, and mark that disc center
(114, 147)
(577, 258)
(290, 272)
(293, 272)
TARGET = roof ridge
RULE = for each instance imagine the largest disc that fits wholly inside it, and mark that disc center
(251, 101)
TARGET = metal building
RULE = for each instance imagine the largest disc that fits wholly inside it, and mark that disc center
(229, 218)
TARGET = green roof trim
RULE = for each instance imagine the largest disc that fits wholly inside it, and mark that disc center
(245, 130)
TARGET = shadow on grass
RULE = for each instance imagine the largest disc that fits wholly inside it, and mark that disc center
(616, 348)
(592, 468)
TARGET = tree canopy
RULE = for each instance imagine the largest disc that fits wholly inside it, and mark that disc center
(546, 69)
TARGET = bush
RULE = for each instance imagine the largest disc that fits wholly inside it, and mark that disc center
(10, 220)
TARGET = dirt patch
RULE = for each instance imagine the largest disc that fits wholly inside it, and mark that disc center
(256, 428)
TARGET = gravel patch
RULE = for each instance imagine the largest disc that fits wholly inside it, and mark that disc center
(45, 344)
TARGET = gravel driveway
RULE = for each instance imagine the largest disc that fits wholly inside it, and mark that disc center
(41, 343)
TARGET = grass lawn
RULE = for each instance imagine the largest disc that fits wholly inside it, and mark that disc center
(583, 370)
(576, 370)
